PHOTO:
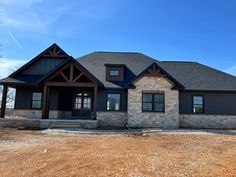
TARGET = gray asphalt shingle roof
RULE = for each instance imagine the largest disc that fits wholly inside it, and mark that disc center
(95, 63)
(192, 75)
(22, 79)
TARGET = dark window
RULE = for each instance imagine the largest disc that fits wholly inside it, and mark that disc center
(87, 101)
(153, 102)
(113, 101)
(113, 73)
(198, 105)
(78, 101)
(36, 100)
(82, 101)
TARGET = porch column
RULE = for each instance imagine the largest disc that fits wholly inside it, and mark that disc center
(46, 102)
(4, 101)
(95, 101)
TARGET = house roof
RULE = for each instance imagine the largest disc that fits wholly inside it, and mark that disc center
(135, 63)
(196, 76)
(192, 75)
(187, 75)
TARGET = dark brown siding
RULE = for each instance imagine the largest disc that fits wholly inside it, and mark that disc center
(214, 103)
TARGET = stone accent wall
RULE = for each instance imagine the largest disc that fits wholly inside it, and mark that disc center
(112, 118)
(137, 118)
(37, 114)
(207, 121)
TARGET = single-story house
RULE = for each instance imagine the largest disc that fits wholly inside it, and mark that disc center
(122, 88)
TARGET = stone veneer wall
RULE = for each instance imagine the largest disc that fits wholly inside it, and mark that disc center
(207, 121)
(37, 114)
(137, 118)
(112, 118)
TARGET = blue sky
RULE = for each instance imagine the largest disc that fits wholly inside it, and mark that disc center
(195, 30)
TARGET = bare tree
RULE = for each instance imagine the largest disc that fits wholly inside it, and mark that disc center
(10, 100)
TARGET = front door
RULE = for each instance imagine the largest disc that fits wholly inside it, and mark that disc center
(82, 104)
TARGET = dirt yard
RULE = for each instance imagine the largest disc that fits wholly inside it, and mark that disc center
(32, 153)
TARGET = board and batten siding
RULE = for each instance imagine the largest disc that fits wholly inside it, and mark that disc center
(23, 99)
(42, 66)
(214, 103)
(62, 98)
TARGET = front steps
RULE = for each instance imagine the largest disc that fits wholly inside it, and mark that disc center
(63, 124)
(46, 123)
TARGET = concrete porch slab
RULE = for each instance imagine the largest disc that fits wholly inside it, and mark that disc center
(31, 123)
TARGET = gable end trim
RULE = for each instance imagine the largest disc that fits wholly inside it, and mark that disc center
(36, 58)
(155, 70)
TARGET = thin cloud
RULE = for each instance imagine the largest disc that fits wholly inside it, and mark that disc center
(23, 16)
(14, 39)
(31, 15)
(26, 2)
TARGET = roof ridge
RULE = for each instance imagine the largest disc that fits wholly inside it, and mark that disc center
(117, 52)
(179, 61)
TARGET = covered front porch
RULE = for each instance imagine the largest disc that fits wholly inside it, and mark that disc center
(68, 92)
(69, 103)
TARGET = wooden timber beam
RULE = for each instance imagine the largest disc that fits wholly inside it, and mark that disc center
(78, 77)
(63, 75)
(70, 84)
(4, 101)
(46, 102)
(95, 101)
(71, 72)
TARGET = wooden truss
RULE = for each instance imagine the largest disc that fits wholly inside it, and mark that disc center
(54, 51)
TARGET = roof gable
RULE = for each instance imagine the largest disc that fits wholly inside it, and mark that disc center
(70, 72)
(54, 51)
(154, 70)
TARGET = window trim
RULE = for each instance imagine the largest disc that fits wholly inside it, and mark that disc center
(203, 104)
(119, 77)
(82, 100)
(107, 100)
(37, 100)
(153, 93)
